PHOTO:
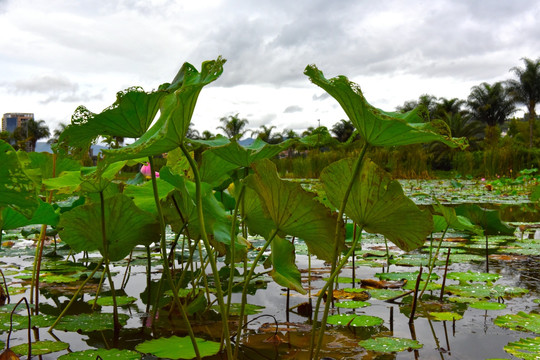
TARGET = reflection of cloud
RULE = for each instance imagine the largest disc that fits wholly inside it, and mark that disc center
(292, 109)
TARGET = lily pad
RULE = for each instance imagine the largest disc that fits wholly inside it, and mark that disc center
(178, 347)
(40, 347)
(352, 304)
(527, 348)
(409, 276)
(445, 316)
(250, 309)
(112, 354)
(90, 322)
(120, 300)
(354, 320)
(487, 305)
(464, 277)
(389, 344)
(520, 322)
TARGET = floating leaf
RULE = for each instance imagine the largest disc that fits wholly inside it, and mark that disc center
(90, 322)
(389, 344)
(409, 276)
(464, 277)
(527, 348)
(112, 354)
(294, 210)
(354, 320)
(352, 304)
(520, 321)
(40, 347)
(125, 226)
(178, 347)
(487, 305)
(377, 127)
(250, 309)
(445, 316)
(120, 300)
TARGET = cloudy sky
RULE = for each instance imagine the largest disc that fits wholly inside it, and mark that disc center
(58, 54)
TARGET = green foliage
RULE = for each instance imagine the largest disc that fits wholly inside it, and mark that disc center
(389, 344)
(178, 347)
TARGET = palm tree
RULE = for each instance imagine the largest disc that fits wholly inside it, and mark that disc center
(265, 134)
(56, 133)
(426, 102)
(445, 107)
(343, 130)
(36, 130)
(192, 133)
(490, 104)
(207, 135)
(526, 90)
(233, 126)
(289, 134)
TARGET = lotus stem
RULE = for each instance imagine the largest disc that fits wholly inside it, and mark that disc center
(432, 261)
(244, 290)
(330, 282)
(204, 236)
(233, 245)
(165, 259)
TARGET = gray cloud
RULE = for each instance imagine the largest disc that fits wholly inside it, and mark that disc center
(44, 84)
(293, 109)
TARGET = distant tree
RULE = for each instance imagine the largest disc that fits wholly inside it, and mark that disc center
(56, 133)
(343, 130)
(289, 134)
(192, 133)
(445, 107)
(114, 142)
(526, 90)
(36, 130)
(207, 135)
(490, 104)
(233, 126)
(266, 135)
(308, 131)
(426, 103)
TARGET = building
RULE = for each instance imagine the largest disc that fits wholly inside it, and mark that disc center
(12, 121)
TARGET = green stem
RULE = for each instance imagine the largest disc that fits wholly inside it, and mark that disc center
(75, 296)
(210, 252)
(233, 246)
(432, 261)
(244, 290)
(165, 259)
(107, 267)
(330, 282)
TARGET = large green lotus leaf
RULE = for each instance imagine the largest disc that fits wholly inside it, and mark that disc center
(215, 170)
(254, 215)
(129, 116)
(90, 322)
(526, 348)
(105, 354)
(294, 211)
(389, 344)
(377, 203)
(377, 127)
(489, 220)
(178, 347)
(125, 226)
(45, 163)
(451, 219)
(520, 321)
(45, 214)
(285, 271)
(180, 208)
(176, 110)
(143, 195)
(40, 347)
(244, 156)
(17, 190)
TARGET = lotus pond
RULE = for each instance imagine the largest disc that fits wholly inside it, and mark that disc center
(220, 258)
(482, 315)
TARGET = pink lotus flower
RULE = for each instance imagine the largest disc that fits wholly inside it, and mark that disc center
(145, 170)
(483, 179)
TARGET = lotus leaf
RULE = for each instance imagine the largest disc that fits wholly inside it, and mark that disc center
(375, 126)
(389, 344)
(488, 305)
(17, 190)
(250, 309)
(489, 220)
(285, 272)
(176, 110)
(125, 227)
(90, 322)
(464, 277)
(40, 347)
(111, 354)
(44, 214)
(352, 304)
(377, 203)
(354, 320)
(294, 211)
(520, 321)
(527, 348)
(445, 316)
(178, 347)
(120, 300)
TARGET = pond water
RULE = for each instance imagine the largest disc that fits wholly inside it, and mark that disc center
(475, 336)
